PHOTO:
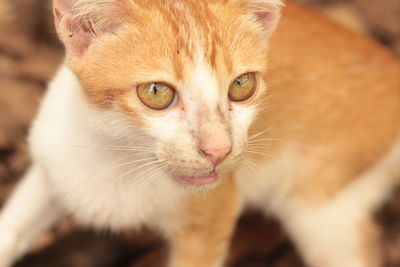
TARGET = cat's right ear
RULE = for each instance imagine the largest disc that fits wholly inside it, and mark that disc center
(80, 22)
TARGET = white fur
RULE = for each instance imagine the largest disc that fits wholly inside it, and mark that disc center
(206, 88)
(23, 218)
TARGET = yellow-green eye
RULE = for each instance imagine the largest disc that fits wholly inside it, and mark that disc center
(243, 87)
(156, 96)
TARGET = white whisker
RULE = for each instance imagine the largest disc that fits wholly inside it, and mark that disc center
(264, 139)
(259, 153)
(139, 167)
(259, 133)
(133, 161)
(249, 164)
(133, 154)
(115, 148)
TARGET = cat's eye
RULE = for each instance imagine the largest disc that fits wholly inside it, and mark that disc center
(156, 95)
(243, 87)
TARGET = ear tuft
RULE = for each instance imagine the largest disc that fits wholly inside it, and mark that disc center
(79, 22)
(266, 12)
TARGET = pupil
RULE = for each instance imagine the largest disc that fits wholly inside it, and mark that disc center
(242, 80)
(154, 88)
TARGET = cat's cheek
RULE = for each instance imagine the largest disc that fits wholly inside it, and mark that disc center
(132, 114)
(165, 127)
(241, 120)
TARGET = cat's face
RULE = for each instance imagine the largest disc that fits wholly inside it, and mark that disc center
(187, 76)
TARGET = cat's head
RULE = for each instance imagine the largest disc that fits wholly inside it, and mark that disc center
(183, 78)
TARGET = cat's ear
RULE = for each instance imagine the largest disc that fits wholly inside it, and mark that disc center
(266, 12)
(80, 22)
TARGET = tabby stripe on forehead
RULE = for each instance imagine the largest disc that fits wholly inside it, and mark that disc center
(180, 29)
(198, 18)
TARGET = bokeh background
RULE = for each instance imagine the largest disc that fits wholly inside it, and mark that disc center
(29, 56)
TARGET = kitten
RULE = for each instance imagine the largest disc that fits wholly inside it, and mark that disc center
(159, 98)
(150, 110)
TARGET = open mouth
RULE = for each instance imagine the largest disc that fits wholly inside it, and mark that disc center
(202, 179)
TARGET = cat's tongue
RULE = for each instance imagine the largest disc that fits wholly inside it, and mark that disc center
(201, 179)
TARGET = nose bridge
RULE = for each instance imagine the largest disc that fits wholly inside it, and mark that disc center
(214, 139)
(212, 124)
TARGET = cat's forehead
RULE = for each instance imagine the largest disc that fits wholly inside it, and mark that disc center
(179, 35)
(187, 28)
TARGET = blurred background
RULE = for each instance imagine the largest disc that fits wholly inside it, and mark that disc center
(29, 56)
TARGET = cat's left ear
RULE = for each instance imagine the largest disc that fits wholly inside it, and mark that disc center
(266, 12)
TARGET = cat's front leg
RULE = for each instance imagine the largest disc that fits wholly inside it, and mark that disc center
(28, 212)
(338, 233)
(205, 228)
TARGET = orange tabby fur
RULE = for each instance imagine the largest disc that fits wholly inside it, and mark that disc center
(334, 89)
(206, 226)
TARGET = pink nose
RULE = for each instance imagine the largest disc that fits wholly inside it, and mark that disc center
(216, 155)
